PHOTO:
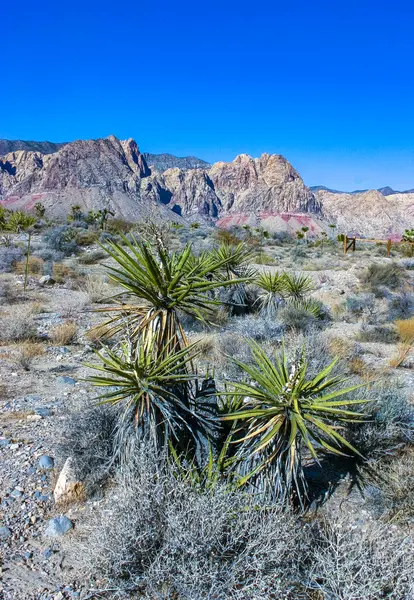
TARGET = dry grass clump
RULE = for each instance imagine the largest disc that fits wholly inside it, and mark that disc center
(28, 351)
(17, 325)
(377, 275)
(405, 329)
(34, 266)
(96, 289)
(62, 273)
(9, 294)
(90, 258)
(64, 334)
(97, 335)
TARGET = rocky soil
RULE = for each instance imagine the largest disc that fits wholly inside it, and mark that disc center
(34, 399)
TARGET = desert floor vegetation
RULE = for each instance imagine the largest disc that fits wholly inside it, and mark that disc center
(216, 414)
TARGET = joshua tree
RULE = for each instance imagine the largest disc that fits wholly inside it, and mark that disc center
(40, 210)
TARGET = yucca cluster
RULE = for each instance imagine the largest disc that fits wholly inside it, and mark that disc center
(253, 432)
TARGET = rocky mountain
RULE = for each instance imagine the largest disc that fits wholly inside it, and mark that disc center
(385, 191)
(7, 146)
(370, 213)
(113, 173)
(162, 162)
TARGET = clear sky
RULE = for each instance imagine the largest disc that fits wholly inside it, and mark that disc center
(330, 85)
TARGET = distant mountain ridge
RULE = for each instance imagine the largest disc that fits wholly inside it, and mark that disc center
(162, 162)
(385, 191)
(113, 173)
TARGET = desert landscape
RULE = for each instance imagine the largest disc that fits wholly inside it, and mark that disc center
(198, 399)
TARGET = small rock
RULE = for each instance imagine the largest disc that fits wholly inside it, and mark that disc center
(43, 412)
(46, 462)
(58, 526)
(28, 555)
(16, 494)
(32, 398)
(5, 533)
(34, 417)
(46, 280)
(47, 553)
(68, 488)
(4, 442)
(65, 380)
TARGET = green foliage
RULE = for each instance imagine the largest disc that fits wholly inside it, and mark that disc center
(283, 413)
(17, 221)
(297, 286)
(162, 284)
(155, 394)
(408, 235)
(76, 213)
(40, 210)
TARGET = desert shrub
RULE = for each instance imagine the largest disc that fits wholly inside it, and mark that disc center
(64, 334)
(118, 226)
(62, 273)
(34, 266)
(360, 563)
(379, 333)
(9, 257)
(397, 490)
(401, 306)
(224, 236)
(258, 327)
(86, 237)
(90, 258)
(8, 293)
(303, 315)
(405, 329)
(62, 239)
(390, 426)
(17, 325)
(161, 538)
(262, 258)
(388, 275)
(48, 254)
(96, 289)
(363, 304)
(87, 436)
(298, 253)
(26, 352)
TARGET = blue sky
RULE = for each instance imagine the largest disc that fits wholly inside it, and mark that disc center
(327, 84)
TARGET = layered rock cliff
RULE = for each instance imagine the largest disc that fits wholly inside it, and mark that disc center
(113, 173)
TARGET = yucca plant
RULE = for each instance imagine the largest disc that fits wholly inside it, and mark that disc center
(236, 265)
(161, 285)
(273, 290)
(283, 414)
(156, 397)
(19, 221)
(297, 286)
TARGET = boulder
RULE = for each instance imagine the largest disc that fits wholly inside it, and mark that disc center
(68, 489)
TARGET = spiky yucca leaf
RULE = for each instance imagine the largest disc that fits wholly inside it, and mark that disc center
(161, 284)
(155, 395)
(273, 286)
(283, 412)
(297, 286)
